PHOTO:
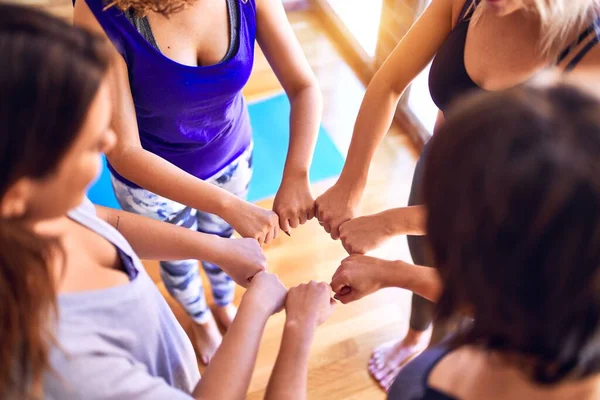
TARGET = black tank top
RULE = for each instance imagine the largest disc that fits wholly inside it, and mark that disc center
(448, 77)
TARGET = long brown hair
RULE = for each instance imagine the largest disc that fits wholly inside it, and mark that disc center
(512, 189)
(49, 74)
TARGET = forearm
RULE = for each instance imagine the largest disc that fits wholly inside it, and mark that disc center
(229, 372)
(305, 116)
(159, 176)
(405, 221)
(374, 119)
(155, 240)
(290, 374)
(423, 281)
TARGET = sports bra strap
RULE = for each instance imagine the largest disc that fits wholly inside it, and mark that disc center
(594, 29)
(468, 10)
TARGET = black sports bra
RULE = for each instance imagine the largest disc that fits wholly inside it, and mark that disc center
(448, 77)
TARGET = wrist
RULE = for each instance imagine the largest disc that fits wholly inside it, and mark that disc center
(352, 184)
(393, 221)
(227, 204)
(217, 247)
(391, 273)
(295, 174)
(300, 328)
(404, 221)
(257, 306)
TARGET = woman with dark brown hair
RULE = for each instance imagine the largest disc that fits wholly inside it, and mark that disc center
(514, 228)
(81, 318)
(473, 45)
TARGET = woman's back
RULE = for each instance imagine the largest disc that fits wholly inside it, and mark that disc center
(514, 229)
(471, 373)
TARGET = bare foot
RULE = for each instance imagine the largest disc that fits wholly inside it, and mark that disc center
(206, 338)
(387, 382)
(225, 315)
(388, 358)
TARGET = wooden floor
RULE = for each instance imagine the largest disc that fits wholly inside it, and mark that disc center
(343, 344)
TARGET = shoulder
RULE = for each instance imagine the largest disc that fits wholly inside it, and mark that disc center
(460, 7)
(86, 207)
(110, 22)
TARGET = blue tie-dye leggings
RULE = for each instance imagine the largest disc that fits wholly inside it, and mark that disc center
(182, 278)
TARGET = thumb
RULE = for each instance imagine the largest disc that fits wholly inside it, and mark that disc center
(339, 281)
(349, 297)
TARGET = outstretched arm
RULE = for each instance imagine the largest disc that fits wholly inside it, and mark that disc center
(307, 306)
(294, 202)
(408, 59)
(155, 240)
(156, 174)
(229, 372)
(359, 276)
(363, 234)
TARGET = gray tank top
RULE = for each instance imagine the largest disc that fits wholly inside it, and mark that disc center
(122, 342)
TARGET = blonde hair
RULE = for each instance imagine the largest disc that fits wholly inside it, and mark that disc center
(559, 19)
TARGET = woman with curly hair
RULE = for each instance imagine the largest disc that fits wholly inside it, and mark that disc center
(184, 151)
(81, 317)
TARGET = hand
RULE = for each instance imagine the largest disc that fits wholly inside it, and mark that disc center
(241, 259)
(267, 292)
(363, 234)
(334, 207)
(294, 203)
(357, 277)
(252, 221)
(309, 304)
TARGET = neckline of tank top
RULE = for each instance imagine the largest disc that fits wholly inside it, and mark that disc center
(142, 25)
(199, 68)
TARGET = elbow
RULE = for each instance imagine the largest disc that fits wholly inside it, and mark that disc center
(382, 85)
(307, 90)
(120, 158)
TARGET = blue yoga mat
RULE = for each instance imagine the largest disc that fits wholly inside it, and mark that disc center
(270, 123)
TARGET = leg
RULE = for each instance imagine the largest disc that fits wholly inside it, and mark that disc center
(389, 357)
(235, 178)
(181, 278)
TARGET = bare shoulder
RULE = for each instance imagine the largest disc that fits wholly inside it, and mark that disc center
(591, 62)
(457, 370)
(457, 7)
(83, 16)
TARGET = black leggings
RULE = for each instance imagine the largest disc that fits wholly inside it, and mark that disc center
(422, 310)
(421, 313)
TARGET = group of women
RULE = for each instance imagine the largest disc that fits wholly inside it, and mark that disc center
(507, 192)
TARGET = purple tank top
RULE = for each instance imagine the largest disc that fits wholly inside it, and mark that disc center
(194, 117)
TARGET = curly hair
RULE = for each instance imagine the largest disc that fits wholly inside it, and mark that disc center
(142, 7)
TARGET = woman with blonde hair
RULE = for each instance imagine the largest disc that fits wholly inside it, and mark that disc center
(486, 45)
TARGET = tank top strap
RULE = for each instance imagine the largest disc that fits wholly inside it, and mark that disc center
(468, 10)
(592, 31)
(248, 8)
